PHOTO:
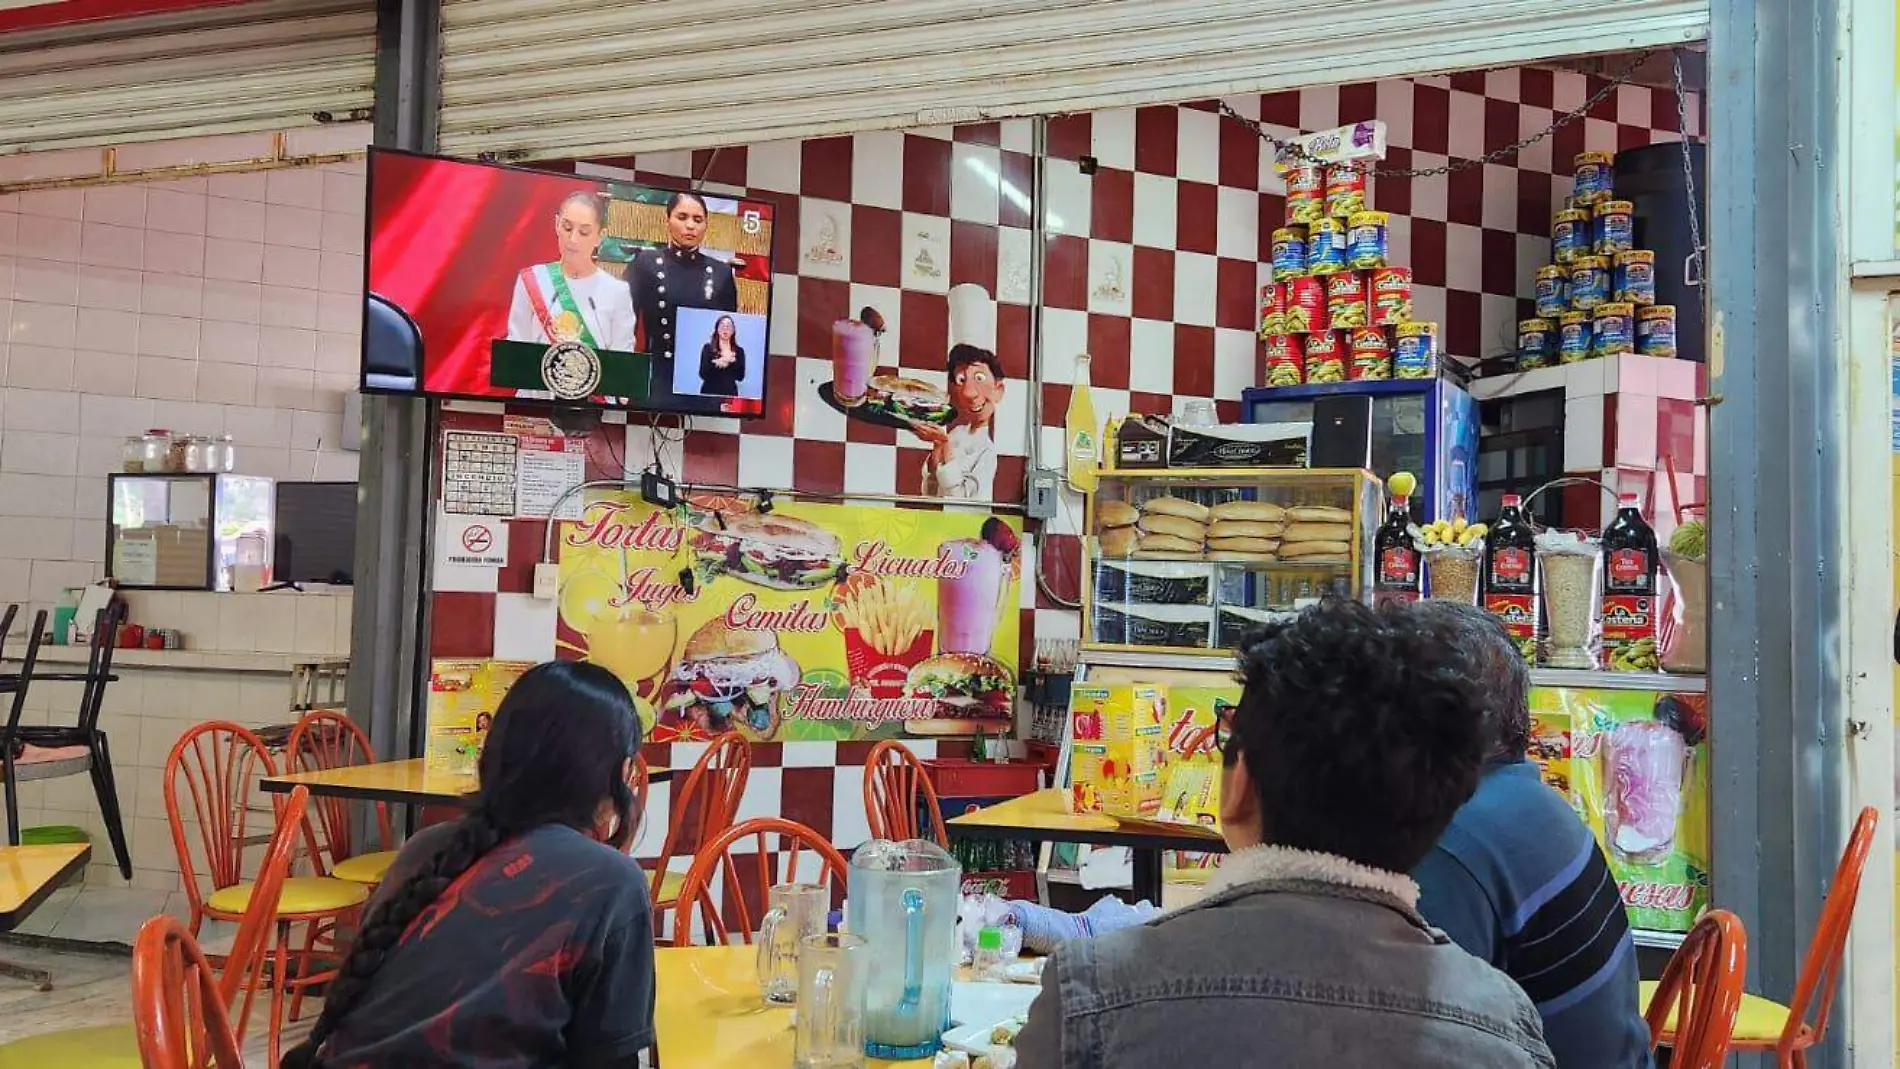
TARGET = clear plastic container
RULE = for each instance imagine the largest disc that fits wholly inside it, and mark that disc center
(990, 960)
(1451, 573)
(1569, 566)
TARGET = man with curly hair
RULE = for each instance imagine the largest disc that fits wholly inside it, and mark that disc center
(1518, 880)
(1357, 737)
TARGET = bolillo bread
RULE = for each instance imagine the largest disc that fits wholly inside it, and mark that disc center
(1177, 526)
(1175, 506)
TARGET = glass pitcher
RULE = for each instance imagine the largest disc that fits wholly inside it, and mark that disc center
(904, 904)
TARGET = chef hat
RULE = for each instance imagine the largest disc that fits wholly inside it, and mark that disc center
(972, 317)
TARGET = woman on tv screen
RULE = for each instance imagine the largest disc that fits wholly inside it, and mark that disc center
(572, 299)
(681, 275)
(722, 360)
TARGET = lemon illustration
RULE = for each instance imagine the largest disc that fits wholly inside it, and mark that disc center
(585, 597)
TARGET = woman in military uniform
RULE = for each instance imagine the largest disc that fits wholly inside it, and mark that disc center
(572, 299)
(681, 275)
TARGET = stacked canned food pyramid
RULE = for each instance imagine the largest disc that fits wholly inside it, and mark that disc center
(1336, 310)
(1599, 297)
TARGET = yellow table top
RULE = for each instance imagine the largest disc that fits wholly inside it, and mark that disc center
(708, 1013)
(1041, 815)
(395, 781)
(30, 873)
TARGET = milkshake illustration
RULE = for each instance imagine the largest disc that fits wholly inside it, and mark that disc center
(970, 603)
(853, 358)
(1645, 764)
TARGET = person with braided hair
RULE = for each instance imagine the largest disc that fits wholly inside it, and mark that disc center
(520, 935)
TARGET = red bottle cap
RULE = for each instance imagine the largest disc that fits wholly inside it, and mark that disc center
(1626, 499)
(1511, 501)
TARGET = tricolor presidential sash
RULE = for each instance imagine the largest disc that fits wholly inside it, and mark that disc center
(564, 322)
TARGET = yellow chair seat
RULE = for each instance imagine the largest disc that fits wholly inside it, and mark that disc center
(670, 885)
(364, 868)
(1760, 1020)
(112, 1046)
(302, 895)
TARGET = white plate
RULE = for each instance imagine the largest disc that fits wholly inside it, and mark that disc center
(988, 1003)
(975, 1039)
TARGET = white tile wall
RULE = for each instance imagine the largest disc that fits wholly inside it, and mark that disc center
(221, 305)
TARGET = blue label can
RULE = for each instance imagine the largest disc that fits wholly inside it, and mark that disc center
(1553, 285)
(1289, 253)
(1615, 227)
(1326, 249)
(1366, 241)
(1596, 176)
(1656, 330)
(1570, 236)
(1415, 350)
(1589, 283)
(1573, 338)
(1636, 276)
(1614, 329)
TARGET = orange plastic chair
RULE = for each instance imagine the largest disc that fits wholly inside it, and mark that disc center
(1702, 986)
(218, 762)
(637, 783)
(1766, 1026)
(895, 787)
(326, 740)
(701, 809)
(118, 1045)
(746, 896)
(180, 1020)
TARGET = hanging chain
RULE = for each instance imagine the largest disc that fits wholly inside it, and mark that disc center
(1293, 148)
(1692, 269)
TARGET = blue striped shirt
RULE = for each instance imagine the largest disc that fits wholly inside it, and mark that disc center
(1520, 882)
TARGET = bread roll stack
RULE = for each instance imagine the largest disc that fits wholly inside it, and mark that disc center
(1115, 527)
(1246, 530)
(1315, 532)
(1172, 528)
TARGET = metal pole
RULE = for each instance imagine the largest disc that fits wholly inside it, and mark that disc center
(387, 629)
(1775, 452)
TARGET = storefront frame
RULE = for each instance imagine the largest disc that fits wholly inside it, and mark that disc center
(1781, 696)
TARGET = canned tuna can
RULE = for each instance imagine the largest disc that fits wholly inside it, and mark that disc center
(1553, 291)
(1325, 357)
(1346, 300)
(1656, 330)
(1391, 295)
(1595, 176)
(1371, 354)
(1345, 190)
(1536, 343)
(1272, 309)
(1635, 276)
(1326, 247)
(1615, 227)
(1415, 350)
(1573, 338)
(1289, 253)
(1570, 236)
(1285, 357)
(1366, 240)
(1305, 192)
(1613, 331)
(1589, 283)
(1305, 309)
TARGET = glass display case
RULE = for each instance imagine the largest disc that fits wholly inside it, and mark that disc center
(1186, 560)
(189, 531)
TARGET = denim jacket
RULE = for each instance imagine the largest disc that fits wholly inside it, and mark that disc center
(1293, 959)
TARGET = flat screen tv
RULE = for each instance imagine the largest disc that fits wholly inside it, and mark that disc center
(491, 282)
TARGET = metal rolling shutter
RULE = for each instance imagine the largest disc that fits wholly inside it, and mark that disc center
(543, 78)
(242, 68)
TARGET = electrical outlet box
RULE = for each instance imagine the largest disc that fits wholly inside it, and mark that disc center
(1044, 490)
(547, 580)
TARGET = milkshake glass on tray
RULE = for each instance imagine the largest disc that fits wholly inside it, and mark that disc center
(968, 604)
(1645, 763)
(853, 358)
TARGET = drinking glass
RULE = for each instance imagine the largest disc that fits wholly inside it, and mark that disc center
(833, 972)
(797, 911)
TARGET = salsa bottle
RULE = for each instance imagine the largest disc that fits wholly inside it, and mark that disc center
(1630, 562)
(1396, 572)
(1510, 575)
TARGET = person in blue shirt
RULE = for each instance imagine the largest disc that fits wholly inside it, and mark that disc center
(1519, 881)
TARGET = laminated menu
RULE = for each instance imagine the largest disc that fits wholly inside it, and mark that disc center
(1117, 757)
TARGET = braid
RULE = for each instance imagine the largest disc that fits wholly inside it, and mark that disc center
(382, 929)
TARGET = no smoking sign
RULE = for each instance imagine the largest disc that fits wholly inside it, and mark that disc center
(473, 543)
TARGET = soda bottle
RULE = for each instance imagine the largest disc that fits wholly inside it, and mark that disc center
(1630, 561)
(1395, 576)
(1510, 575)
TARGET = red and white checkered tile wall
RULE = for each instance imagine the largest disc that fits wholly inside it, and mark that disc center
(1153, 266)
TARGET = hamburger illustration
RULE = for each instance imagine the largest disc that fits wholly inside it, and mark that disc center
(729, 679)
(972, 690)
(773, 550)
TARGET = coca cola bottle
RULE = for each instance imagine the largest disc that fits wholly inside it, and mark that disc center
(1630, 561)
(1395, 570)
(1510, 575)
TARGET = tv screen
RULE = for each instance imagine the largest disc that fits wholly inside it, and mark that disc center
(493, 282)
(316, 533)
